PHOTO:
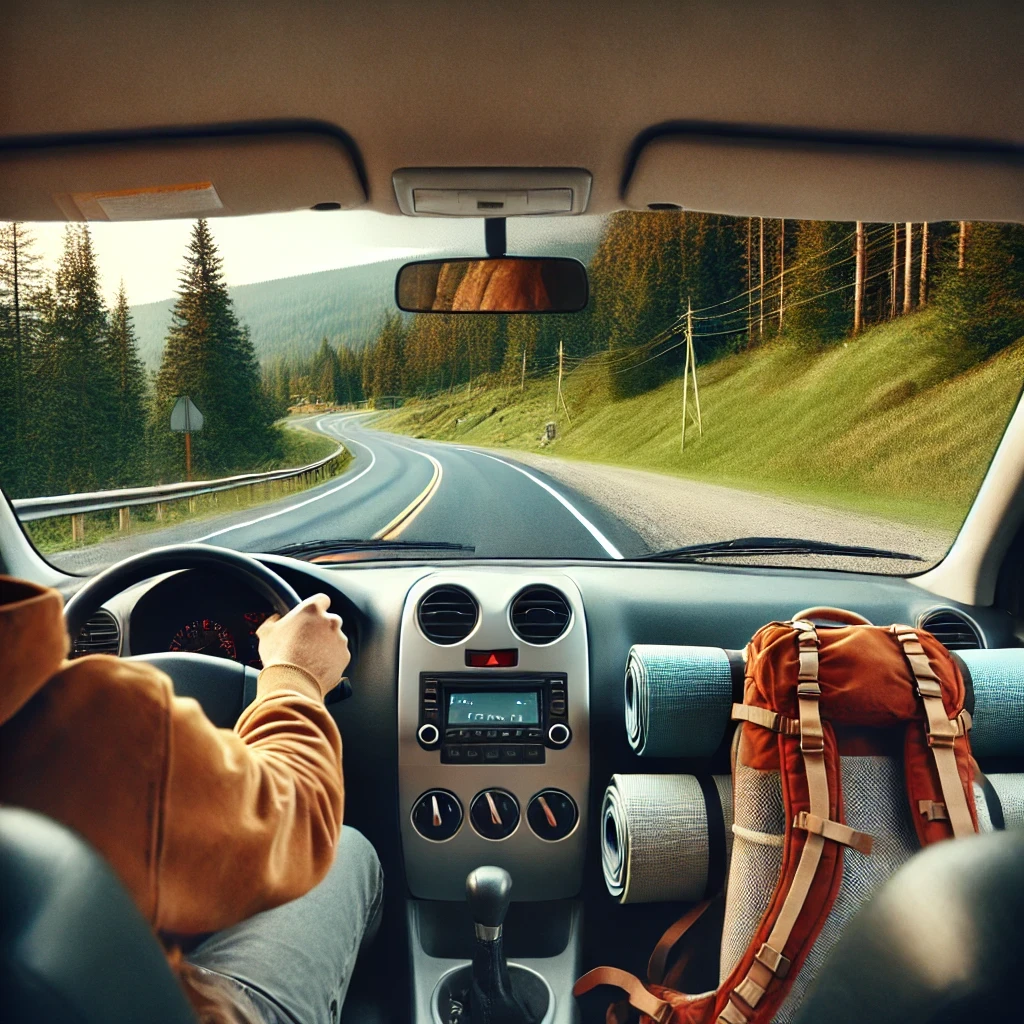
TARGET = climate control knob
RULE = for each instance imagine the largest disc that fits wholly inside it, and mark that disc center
(429, 735)
(552, 814)
(559, 734)
(437, 815)
(494, 814)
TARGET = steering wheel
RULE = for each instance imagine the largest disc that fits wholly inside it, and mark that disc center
(224, 688)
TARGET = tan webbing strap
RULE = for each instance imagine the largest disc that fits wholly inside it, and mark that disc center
(673, 934)
(765, 718)
(769, 961)
(646, 1002)
(941, 731)
(862, 842)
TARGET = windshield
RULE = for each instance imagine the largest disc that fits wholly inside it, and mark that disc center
(820, 394)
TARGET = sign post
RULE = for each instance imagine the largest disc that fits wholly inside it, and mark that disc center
(185, 418)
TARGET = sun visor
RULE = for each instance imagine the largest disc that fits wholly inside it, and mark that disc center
(168, 176)
(840, 180)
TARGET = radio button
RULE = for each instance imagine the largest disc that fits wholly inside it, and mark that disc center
(492, 734)
(492, 753)
(533, 754)
(559, 734)
(511, 755)
(452, 755)
(428, 734)
(472, 753)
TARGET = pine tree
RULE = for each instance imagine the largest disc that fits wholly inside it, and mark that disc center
(209, 357)
(131, 394)
(819, 306)
(19, 328)
(77, 388)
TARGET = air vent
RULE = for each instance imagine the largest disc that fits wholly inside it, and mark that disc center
(952, 629)
(447, 615)
(100, 635)
(540, 615)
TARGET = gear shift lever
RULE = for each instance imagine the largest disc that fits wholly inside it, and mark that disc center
(491, 998)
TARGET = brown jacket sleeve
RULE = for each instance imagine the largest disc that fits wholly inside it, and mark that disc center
(250, 818)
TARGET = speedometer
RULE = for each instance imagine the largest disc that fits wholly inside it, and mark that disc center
(204, 636)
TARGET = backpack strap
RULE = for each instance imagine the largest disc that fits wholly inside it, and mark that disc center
(941, 733)
(646, 1002)
(769, 962)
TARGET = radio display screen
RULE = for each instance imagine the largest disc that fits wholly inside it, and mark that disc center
(496, 708)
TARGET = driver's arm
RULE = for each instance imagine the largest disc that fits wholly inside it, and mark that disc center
(250, 818)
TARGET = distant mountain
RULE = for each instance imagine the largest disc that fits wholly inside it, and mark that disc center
(289, 316)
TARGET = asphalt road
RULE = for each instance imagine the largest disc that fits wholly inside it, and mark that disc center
(521, 505)
(409, 490)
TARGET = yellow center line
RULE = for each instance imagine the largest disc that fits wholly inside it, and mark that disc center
(415, 507)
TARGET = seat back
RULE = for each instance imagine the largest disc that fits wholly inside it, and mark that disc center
(73, 946)
(940, 942)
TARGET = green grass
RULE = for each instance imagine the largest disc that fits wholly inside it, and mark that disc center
(299, 447)
(897, 422)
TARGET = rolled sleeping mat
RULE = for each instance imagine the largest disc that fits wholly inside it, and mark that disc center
(997, 679)
(678, 699)
(666, 837)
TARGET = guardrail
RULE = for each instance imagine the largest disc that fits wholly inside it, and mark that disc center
(29, 509)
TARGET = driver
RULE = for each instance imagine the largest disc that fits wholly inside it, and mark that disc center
(209, 829)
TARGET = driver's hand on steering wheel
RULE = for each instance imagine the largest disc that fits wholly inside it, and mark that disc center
(308, 637)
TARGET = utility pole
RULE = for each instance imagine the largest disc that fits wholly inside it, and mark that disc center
(782, 265)
(908, 253)
(895, 270)
(689, 368)
(559, 397)
(961, 246)
(858, 280)
(922, 293)
(760, 282)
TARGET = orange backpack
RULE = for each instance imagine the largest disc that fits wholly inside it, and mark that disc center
(815, 698)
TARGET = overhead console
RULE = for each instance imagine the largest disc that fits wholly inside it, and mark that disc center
(493, 701)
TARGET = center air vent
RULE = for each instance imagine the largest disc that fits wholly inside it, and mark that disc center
(952, 629)
(540, 615)
(100, 635)
(447, 615)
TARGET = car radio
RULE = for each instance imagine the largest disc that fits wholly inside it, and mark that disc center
(480, 719)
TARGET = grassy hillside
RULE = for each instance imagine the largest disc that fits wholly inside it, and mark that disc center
(896, 422)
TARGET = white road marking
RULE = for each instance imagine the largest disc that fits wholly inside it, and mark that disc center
(308, 501)
(601, 539)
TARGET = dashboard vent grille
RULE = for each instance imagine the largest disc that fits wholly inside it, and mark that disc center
(447, 615)
(954, 631)
(100, 635)
(540, 615)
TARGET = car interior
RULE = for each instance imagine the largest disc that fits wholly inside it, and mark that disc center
(880, 111)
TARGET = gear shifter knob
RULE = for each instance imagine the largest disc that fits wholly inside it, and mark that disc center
(488, 891)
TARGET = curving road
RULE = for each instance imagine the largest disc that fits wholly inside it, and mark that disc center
(403, 489)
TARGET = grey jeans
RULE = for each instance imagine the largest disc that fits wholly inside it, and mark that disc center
(293, 964)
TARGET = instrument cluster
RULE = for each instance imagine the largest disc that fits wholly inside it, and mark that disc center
(199, 613)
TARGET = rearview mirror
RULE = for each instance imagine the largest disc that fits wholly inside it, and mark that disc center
(509, 284)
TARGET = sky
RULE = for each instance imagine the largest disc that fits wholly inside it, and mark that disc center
(147, 255)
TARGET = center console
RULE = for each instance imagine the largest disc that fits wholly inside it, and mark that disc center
(494, 769)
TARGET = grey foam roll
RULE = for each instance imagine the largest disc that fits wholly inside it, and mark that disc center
(998, 680)
(677, 699)
(654, 837)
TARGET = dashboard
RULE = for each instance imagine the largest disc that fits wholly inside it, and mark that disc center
(458, 726)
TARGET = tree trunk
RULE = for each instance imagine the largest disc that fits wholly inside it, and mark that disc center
(750, 286)
(961, 246)
(760, 281)
(908, 253)
(922, 293)
(858, 280)
(782, 267)
(895, 271)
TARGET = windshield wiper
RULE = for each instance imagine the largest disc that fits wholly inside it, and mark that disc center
(771, 546)
(313, 548)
